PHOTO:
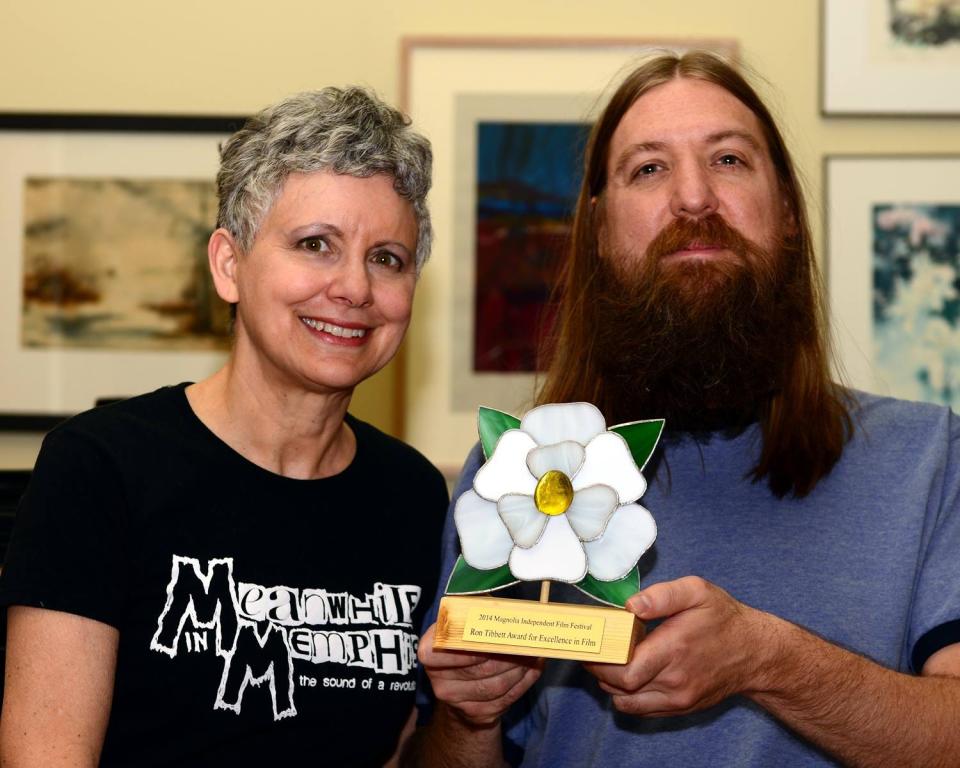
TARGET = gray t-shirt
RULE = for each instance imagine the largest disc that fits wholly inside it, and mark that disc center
(869, 561)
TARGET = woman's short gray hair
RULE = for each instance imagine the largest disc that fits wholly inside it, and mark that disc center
(348, 131)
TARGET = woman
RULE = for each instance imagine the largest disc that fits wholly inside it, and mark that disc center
(235, 570)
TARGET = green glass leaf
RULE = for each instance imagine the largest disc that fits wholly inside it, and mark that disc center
(642, 437)
(466, 580)
(611, 592)
(492, 423)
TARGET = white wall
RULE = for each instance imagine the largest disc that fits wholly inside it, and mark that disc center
(210, 56)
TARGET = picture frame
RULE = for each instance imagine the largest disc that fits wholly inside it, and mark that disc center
(449, 86)
(888, 58)
(42, 386)
(892, 269)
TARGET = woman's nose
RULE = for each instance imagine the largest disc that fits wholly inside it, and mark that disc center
(350, 283)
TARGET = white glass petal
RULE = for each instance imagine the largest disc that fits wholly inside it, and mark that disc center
(522, 518)
(556, 422)
(566, 457)
(506, 471)
(590, 510)
(484, 539)
(630, 532)
(609, 462)
(558, 555)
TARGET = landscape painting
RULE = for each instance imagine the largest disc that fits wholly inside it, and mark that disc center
(916, 300)
(119, 263)
(527, 182)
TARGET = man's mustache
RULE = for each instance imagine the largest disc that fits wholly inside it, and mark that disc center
(708, 232)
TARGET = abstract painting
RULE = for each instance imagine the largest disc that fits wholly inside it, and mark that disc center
(527, 182)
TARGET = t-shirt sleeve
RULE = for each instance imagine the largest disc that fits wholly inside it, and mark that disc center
(68, 549)
(935, 620)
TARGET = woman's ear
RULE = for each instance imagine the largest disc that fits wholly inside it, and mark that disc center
(223, 255)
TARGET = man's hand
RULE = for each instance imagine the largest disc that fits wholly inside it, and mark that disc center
(478, 687)
(474, 690)
(709, 647)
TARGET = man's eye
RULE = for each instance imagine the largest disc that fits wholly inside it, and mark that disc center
(315, 244)
(647, 169)
(729, 160)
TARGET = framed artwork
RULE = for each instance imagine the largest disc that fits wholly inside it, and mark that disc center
(893, 273)
(508, 119)
(890, 57)
(103, 247)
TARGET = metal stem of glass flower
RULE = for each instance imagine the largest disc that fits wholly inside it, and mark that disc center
(545, 591)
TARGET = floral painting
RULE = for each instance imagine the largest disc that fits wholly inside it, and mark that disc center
(119, 263)
(916, 300)
(527, 184)
(925, 23)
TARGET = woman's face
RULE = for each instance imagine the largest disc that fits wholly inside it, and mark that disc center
(324, 293)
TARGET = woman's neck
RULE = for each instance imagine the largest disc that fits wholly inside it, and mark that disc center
(288, 431)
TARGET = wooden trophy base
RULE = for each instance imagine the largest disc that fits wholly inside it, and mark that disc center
(528, 628)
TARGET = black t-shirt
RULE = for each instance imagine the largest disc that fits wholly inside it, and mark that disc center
(261, 618)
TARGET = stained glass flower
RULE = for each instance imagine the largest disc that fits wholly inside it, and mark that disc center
(556, 500)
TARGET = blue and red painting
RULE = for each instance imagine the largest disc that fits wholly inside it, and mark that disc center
(528, 175)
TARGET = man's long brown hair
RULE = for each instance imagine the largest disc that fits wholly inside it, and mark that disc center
(805, 423)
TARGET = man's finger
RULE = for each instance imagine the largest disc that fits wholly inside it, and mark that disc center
(658, 601)
(650, 657)
(645, 704)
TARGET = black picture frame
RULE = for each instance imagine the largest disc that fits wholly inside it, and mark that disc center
(54, 121)
(34, 421)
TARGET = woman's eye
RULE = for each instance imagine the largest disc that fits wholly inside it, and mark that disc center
(387, 259)
(315, 244)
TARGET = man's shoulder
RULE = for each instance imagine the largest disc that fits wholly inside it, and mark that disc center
(872, 412)
(901, 435)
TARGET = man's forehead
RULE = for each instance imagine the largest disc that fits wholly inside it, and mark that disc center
(685, 110)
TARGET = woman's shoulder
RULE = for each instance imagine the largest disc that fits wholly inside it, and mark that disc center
(124, 422)
(390, 454)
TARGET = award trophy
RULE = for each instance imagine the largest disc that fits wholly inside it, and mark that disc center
(555, 501)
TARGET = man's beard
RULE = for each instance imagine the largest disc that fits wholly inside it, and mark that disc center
(704, 343)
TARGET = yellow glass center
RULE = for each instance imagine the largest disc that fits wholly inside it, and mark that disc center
(554, 493)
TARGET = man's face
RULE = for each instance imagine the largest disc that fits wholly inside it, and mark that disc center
(684, 151)
(697, 262)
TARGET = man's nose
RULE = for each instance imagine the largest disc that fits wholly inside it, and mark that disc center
(350, 282)
(693, 195)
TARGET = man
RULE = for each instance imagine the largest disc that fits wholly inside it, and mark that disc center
(803, 602)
